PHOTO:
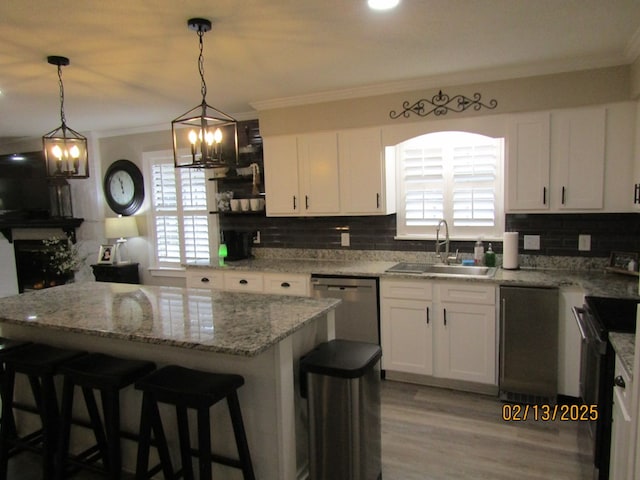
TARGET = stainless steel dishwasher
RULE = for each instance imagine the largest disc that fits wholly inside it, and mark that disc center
(528, 344)
(357, 317)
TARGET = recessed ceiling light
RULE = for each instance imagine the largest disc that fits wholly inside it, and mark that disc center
(382, 4)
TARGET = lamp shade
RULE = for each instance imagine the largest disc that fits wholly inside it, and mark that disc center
(120, 227)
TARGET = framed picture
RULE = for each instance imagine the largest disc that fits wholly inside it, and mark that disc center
(623, 262)
(107, 254)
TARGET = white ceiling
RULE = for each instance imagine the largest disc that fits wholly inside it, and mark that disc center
(134, 63)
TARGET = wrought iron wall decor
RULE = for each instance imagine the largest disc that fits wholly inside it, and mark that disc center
(441, 105)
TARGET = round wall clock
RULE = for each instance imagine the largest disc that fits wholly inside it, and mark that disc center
(124, 187)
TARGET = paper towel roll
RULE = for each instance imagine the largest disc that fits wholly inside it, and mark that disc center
(510, 251)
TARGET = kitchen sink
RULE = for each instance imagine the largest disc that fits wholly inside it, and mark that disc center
(442, 269)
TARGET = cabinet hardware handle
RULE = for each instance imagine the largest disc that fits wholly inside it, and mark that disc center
(204, 280)
(377, 200)
(563, 195)
(427, 315)
(619, 381)
(445, 316)
(285, 284)
(636, 194)
(306, 202)
(544, 195)
(294, 202)
(243, 282)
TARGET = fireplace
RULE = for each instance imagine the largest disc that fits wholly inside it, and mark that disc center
(33, 267)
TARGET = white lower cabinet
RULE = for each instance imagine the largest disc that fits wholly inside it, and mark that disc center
(249, 281)
(620, 462)
(441, 329)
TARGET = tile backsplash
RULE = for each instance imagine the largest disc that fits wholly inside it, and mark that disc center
(558, 233)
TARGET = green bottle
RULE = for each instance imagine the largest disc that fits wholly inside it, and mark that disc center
(490, 257)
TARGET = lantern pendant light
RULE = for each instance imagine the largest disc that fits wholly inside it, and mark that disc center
(198, 134)
(65, 150)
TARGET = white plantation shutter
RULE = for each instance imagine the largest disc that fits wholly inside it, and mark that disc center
(181, 218)
(451, 175)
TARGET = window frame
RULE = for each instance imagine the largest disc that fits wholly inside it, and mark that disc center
(428, 232)
(166, 157)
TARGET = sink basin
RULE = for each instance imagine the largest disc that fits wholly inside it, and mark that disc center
(442, 269)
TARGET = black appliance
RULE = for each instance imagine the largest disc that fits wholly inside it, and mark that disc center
(24, 187)
(598, 317)
(238, 244)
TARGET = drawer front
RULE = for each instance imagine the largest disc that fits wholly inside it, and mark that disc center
(467, 293)
(243, 282)
(286, 284)
(205, 279)
(413, 290)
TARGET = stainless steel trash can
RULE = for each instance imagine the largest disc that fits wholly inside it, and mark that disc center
(341, 381)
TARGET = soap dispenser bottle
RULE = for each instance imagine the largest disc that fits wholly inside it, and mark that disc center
(490, 257)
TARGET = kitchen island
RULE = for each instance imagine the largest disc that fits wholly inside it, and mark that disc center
(260, 337)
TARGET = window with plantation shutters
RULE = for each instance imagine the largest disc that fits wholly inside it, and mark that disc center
(456, 176)
(180, 214)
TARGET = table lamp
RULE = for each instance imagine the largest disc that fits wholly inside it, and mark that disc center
(120, 228)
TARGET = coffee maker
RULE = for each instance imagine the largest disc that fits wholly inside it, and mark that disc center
(238, 244)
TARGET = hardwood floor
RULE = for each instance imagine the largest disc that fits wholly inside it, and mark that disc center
(437, 434)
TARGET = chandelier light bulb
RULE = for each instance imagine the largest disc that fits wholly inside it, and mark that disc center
(74, 152)
(217, 136)
(57, 152)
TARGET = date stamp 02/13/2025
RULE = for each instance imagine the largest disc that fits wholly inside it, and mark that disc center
(549, 413)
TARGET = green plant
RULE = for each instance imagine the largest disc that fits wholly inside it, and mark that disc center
(62, 254)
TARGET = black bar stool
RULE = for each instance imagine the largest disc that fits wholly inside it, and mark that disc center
(185, 388)
(6, 346)
(39, 363)
(108, 375)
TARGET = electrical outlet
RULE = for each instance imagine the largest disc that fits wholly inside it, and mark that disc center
(345, 241)
(256, 237)
(584, 243)
(532, 242)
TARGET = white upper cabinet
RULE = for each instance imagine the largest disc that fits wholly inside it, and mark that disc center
(318, 163)
(367, 179)
(577, 158)
(328, 173)
(528, 151)
(281, 175)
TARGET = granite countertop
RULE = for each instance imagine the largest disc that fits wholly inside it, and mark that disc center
(624, 345)
(593, 282)
(231, 323)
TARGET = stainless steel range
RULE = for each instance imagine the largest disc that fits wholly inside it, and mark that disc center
(598, 317)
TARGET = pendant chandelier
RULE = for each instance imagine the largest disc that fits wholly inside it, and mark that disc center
(199, 133)
(65, 150)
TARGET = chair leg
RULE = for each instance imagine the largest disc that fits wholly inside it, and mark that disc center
(65, 428)
(150, 421)
(240, 435)
(49, 413)
(7, 428)
(185, 442)
(96, 425)
(111, 407)
(204, 443)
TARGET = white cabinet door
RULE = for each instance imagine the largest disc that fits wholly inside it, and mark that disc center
(569, 343)
(466, 342)
(281, 175)
(364, 176)
(621, 462)
(204, 278)
(527, 162)
(577, 156)
(243, 282)
(319, 180)
(407, 335)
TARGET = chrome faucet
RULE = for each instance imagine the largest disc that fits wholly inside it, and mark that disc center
(446, 258)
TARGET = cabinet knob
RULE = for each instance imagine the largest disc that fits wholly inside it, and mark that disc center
(285, 285)
(204, 280)
(619, 382)
(243, 282)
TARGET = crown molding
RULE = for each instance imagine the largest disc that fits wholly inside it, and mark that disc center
(439, 81)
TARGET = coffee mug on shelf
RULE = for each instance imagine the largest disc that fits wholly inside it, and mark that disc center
(235, 205)
(257, 204)
(244, 204)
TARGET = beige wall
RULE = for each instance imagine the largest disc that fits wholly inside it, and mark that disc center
(517, 95)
